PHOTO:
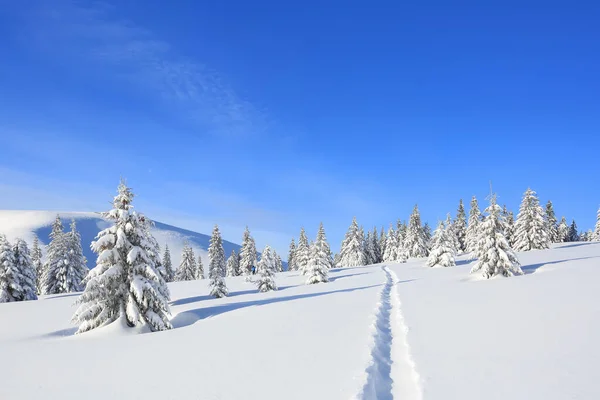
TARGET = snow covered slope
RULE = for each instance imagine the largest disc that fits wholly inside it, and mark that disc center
(26, 224)
(397, 331)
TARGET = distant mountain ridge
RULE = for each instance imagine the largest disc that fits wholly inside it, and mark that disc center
(27, 224)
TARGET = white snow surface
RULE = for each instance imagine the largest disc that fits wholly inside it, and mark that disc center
(387, 331)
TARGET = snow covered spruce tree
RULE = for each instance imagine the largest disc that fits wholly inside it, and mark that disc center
(302, 252)
(443, 247)
(377, 255)
(551, 223)
(531, 230)
(292, 256)
(167, 264)
(415, 241)
(352, 252)
(573, 233)
(188, 269)
(390, 246)
(266, 271)
(26, 270)
(509, 218)
(278, 262)
(320, 260)
(562, 232)
(495, 257)
(382, 242)
(233, 264)
(247, 254)
(216, 265)
(472, 229)
(596, 234)
(77, 263)
(10, 279)
(460, 228)
(125, 284)
(56, 259)
(36, 259)
(199, 268)
(401, 252)
(451, 233)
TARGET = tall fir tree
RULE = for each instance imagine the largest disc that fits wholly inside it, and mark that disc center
(415, 241)
(495, 257)
(36, 259)
(352, 251)
(369, 250)
(562, 232)
(278, 262)
(443, 247)
(391, 246)
(25, 269)
(401, 251)
(382, 242)
(233, 264)
(302, 252)
(460, 227)
(247, 254)
(188, 269)
(10, 279)
(573, 233)
(320, 260)
(77, 263)
(427, 233)
(266, 271)
(551, 223)
(217, 265)
(200, 269)
(56, 259)
(450, 234)
(472, 236)
(167, 264)
(531, 230)
(292, 256)
(509, 219)
(376, 246)
(125, 283)
(596, 234)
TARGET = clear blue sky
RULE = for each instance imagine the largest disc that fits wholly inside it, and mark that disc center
(279, 114)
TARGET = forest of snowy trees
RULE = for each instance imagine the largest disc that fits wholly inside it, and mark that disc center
(129, 280)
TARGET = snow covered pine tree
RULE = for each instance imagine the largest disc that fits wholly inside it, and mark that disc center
(266, 271)
(302, 252)
(320, 260)
(415, 242)
(352, 251)
(54, 276)
(36, 258)
(10, 282)
(460, 227)
(233, 264)
(26, 271)
(247, 254)
(562, 231)
(200, 269)
(495, 256)
(551, 222)
(531, 229)
(125, 284)
(77, 264)
(188, 270)
(596, 235)
(292, 256)
(168, 265)
(216, 265)
(442, 248)
(473, 227)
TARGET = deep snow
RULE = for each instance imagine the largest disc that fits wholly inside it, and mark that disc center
(395, 331)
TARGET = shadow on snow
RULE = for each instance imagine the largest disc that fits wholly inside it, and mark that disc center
(530, 269)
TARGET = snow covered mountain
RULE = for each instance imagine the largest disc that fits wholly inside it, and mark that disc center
(384, 331)
(26, 224)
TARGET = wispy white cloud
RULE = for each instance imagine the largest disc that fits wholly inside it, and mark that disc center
(94, 35)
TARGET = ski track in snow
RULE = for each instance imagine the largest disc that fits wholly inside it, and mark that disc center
(391, 374)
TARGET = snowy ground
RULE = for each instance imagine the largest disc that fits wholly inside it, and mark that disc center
(400, 331)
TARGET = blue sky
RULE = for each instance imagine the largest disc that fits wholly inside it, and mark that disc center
(282, 114)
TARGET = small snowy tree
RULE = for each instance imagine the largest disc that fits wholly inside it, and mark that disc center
(55, 269)
(573, 233)
(596, 234)
(77, 263)
(292, 256)
(562, 231)
(460, 227)
(10, 278)
(509, 218)
(451, 235)
(167, 264)
(125, 283)
(382, 242)
(188, 269)
(233, 264)
(36, 259)
(415, 241)
(278, 262)
(369, 250)
(247, 254)
(531, 230)
(320, 260)
(495, 256)
(442, 247)
(352, 252)
(377, 255)
(217, 267)
(401, 251)
(26, 270)
(472, 236)
(266, 271)
(302, 252)
(200, 268)
(551, 223)
(391, 246)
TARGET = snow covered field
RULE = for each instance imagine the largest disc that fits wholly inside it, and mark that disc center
(399, 331)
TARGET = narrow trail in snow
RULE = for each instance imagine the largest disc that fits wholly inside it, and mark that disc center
(392, 373)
